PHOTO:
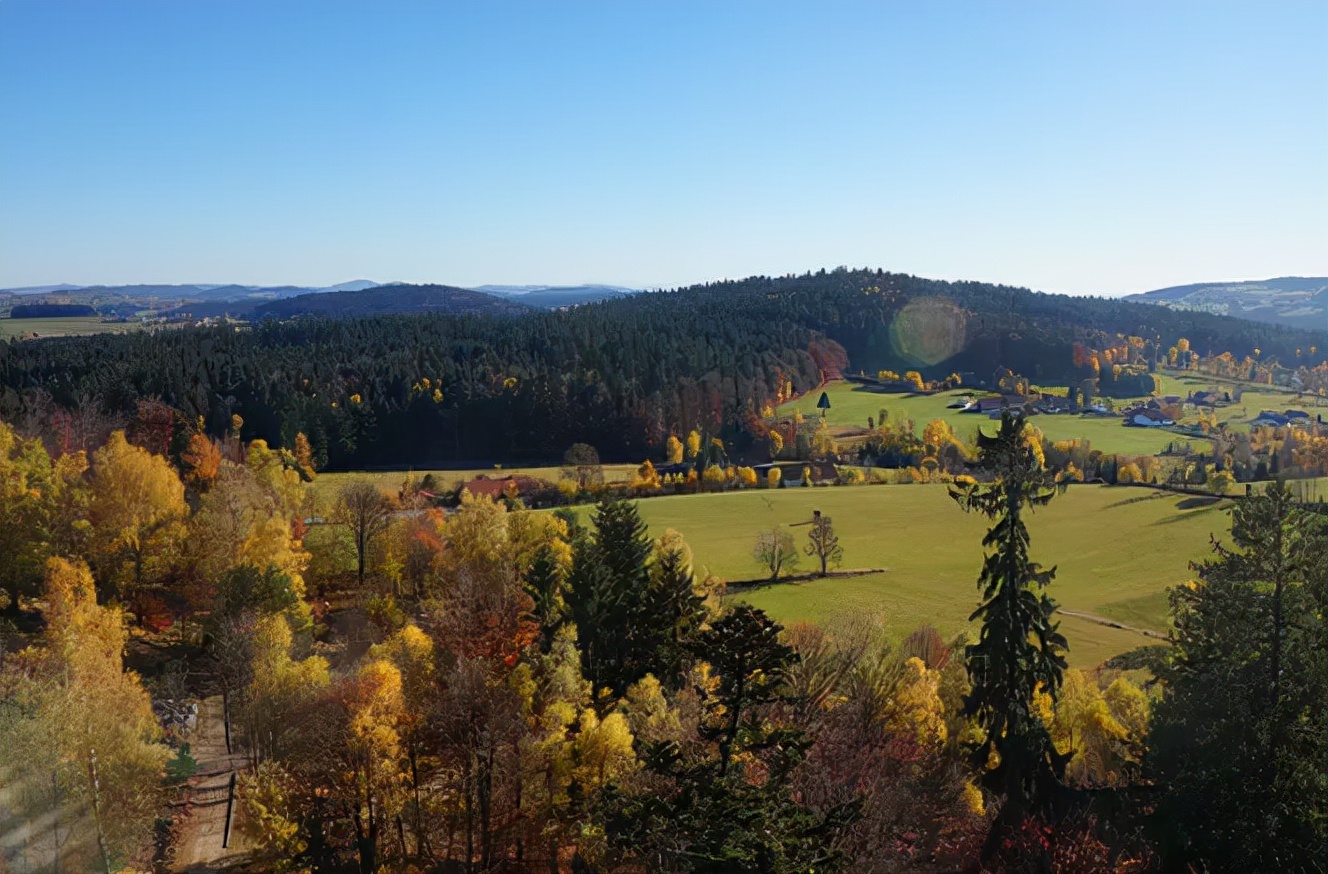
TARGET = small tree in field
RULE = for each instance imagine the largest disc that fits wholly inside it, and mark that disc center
(774, 551)
(367, 512)
(823, 543)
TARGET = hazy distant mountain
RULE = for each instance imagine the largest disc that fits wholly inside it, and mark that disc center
(554, 296)
(40, 289)
(391, 300)
(215, 299)
(1298, 301)
(195, 290)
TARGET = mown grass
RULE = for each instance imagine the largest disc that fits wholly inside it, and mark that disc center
(324, 487)
(61, 327)
(1115, 556)
(1254, 398)
(850, 406)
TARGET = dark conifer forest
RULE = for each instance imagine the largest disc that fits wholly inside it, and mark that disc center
(619, 375)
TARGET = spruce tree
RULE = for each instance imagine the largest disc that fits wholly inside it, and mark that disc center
(1019, 650)
(608, 593)
(1239, 740)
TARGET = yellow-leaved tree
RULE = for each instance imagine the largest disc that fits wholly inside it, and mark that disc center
(673, 450)
(138, 515)
(81, 758)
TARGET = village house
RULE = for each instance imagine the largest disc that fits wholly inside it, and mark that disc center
(533, 492)
(1147, 417)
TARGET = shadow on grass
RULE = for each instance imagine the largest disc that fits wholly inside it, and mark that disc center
(752, 585)
(1151, 496)
(1196, 507)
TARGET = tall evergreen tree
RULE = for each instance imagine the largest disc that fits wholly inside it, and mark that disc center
(1019, 650)
(728, 805)
(608, 592)
(1240, 737)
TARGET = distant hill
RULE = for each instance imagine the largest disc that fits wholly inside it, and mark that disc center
(619, 375)
(202, 300)
(50, 311)
(385, 300)
(198, 290)
(1297, 301)
(555, 296)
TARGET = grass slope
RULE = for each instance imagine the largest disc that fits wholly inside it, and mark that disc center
(61, 326)
(325, 487)
(850, 406)
(1116, 550)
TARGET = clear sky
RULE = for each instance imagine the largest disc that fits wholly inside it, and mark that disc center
(1080, 147)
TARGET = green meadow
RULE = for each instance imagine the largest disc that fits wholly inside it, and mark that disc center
(325, 486)
(850, 406)
(60, 327)
(1116, 550)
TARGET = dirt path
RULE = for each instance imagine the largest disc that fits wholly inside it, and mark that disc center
(199, 847)
(1112, 623)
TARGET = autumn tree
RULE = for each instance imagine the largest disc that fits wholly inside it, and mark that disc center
(728, 804)
(304, 457)
(823, 542)
(138, 517)
(82, 757)
(366, 512)
(583, 465)
(774, 551)
(1019, 650)
(202, 461)
(673, 449)
(41, 502)
(249, 517)
(693, 448)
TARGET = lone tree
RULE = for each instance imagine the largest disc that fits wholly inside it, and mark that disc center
(583, 465)
(1019, 650)
(823, 543)
(774, 551)
(367, 512)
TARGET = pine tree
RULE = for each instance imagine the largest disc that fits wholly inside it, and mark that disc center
(1241, 734)
(607, 593)
(1019, 650)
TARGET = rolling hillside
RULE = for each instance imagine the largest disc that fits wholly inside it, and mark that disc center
(1300, 302)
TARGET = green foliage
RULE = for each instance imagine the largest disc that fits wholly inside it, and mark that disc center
(1241, 734)
(618, 375)
(1019, 650)
(632, 613)
(730, 807)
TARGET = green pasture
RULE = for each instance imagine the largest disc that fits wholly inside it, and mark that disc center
(60, 327)
(850, 406)
(1254, 398)
(324, 487)
(1116, 549)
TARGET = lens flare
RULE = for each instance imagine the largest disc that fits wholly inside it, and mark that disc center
(928, 331)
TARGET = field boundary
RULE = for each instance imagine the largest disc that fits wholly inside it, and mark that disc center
(765, 582)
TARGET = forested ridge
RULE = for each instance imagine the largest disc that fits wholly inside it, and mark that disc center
(620, 375)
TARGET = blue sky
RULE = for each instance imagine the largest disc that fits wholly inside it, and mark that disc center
(1079, 147)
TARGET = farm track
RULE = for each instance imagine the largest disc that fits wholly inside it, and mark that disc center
(203, 844)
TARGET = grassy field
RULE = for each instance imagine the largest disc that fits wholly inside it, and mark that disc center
(1116, 550)
(850, 406)
(324, 488)
(60, 327)
(1253, 398)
